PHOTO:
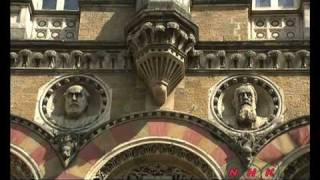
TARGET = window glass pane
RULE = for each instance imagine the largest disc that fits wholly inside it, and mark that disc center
(263, 3)
(49, 4)
(286, 3)
(71, 5)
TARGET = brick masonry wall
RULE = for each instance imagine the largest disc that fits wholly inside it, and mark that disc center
(218, 23)
(129, 94)
(104, 23)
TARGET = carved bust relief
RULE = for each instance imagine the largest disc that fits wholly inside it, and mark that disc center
(74, 103)
(246, 103)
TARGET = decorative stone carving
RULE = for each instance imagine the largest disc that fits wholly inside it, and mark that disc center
(148, 150)
(274, 55)
(157, 170)
(68, 145)
(303, 55)
(246, 103)
(76, 59)
(13, 59)
(289, 57)
(250, 56)
(236, 58)
(245, 100)
(261, 58)
(25, 54)
(65, 60)
(160, 47)
(54, 27)
(51, 55)
(246, 142)
(37, 59)
(74, 102)
(222, 56)
(210, 59)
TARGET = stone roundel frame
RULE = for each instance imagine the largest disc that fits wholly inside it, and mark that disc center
(124, 153)
(275, 99)
(96, 87)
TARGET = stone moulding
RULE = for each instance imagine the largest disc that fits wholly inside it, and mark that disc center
(230, 139)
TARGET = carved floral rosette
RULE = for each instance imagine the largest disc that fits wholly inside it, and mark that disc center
(269, 105)
(50, 106)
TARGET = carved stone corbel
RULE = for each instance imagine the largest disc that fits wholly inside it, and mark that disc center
(274, 55)
(25, 55)
(76, 57)
(289, 57)
(160, 50)
(236, 58)
(13, 59)
(51, 55)
(261, 58)
(222, 56)
(303, 54)
(250, 56)
(36, 59)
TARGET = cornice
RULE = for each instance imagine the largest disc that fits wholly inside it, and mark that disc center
(232, 45)
(203, 45)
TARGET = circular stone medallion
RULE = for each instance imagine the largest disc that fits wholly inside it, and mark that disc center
(246, 103)
(74, 102)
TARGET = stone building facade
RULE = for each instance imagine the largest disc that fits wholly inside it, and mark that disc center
(160, 89)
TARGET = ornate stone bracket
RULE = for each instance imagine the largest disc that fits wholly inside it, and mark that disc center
(160, 48)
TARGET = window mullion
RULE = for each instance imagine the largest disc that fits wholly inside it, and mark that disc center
(60, 4)
(274, 4)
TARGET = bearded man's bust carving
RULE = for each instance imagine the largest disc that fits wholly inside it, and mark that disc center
(76, 101)
(245, 102)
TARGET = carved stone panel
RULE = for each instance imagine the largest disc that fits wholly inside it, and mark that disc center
(73, 102)
(152, 161)
(246, 103)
